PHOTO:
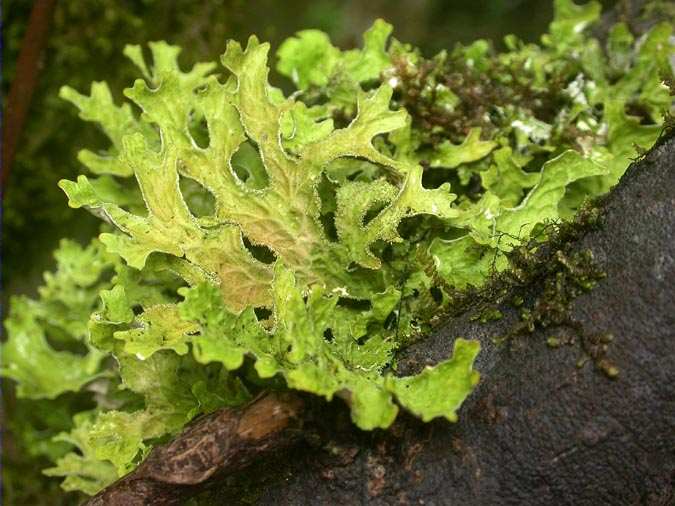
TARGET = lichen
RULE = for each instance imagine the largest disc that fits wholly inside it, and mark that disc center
(259, 238)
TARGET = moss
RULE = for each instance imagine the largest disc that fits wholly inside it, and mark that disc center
(656, 10)
(545, 276)
(448, 95)
(571, 274)
(553, 342)
(489, 315)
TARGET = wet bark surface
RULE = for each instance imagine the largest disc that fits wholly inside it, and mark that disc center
(538, 429)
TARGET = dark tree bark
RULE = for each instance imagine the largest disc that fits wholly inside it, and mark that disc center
(539, 429)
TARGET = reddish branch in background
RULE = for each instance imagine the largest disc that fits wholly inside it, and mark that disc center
(25, 80)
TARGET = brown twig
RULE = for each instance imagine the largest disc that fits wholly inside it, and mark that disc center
(217, 444)
(25, 80)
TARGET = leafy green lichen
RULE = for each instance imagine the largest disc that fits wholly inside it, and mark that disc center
(253, 238)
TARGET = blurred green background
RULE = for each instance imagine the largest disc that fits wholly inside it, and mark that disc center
(85, 44)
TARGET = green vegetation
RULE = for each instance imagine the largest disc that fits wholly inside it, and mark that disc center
(255, 240)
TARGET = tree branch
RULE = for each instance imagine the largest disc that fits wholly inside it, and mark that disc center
(217, 444)
(28, 68)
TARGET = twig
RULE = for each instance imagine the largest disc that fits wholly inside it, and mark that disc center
(221, 443)
(25, 80)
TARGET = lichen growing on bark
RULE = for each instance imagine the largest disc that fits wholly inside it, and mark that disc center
(253, 239)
